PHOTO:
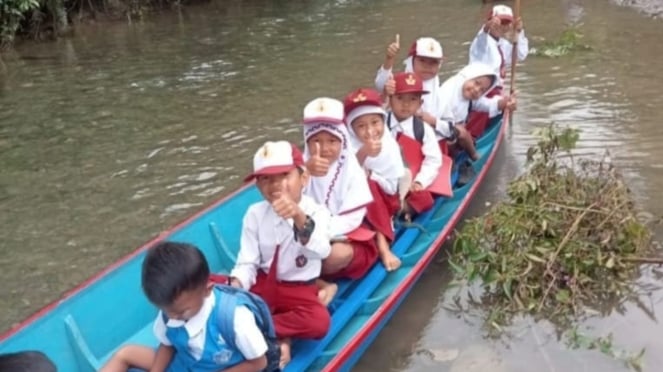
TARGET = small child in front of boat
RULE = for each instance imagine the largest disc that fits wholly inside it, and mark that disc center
(424, 60)
(176, 278)
(284, 239)
(379, 155)
(402, 121)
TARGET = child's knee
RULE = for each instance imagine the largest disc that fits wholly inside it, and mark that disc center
(320, 326)
(343, 253)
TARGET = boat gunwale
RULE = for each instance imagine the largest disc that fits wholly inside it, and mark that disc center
(342, 356)
(95, 278)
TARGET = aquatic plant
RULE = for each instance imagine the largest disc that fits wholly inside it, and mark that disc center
(566, 239)
(568, 41)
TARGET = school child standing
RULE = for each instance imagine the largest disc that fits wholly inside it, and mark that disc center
(284, 239)
(379, 155)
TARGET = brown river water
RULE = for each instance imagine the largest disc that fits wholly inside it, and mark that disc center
(114, 135)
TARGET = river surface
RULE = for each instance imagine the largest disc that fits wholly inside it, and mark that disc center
(114, 135)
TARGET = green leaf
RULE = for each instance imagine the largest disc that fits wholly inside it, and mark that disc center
(506, 287)
(459, 270)
(563, 296)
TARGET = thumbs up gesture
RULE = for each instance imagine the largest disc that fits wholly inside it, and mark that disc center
(284, 206)
(390, 86)
(394, 47)
(317, 165)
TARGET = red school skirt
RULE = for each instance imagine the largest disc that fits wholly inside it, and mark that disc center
(382, 210)
(364, 255)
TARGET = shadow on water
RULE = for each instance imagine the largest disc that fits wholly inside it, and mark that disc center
(110, 137)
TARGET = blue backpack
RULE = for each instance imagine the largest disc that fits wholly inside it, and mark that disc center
(233, 297)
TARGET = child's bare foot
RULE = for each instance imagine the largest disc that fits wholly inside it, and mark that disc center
(326, 291)
(285, 352)
(326, 294)
(390, 261)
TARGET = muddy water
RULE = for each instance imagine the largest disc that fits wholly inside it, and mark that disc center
(110, 137)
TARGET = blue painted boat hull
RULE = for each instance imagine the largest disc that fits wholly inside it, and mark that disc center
(83, 329)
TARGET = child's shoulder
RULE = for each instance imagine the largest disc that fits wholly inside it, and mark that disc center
(259, 207)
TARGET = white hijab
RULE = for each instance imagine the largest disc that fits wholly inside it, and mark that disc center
(344, 188)
(389, 162)
(452, 105)
(431, 85)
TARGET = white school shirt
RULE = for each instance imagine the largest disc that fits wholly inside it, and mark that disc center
(248, 337)
(263, 230)
(485, 49)
(430, 148)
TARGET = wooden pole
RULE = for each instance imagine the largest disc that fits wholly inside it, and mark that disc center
(514, 49)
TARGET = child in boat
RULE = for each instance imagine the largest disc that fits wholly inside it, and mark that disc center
(175, 278)
(413, 135)
(379, 155)
(492, 48)
(26, 361)
(466, 91)
(284, 239)
(339, 183)
(424, 59)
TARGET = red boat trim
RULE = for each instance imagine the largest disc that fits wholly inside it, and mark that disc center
(344, 354)
(164, 234)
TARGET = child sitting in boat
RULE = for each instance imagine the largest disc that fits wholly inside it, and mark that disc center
(191, 323)
(492, 48)
(418, 144)
(466, 91)
(26, 361)
(284, 239)
(379, 155)
(339, 183)
(425, 59)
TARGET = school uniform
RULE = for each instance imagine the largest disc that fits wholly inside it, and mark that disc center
(343, 190)
(496, 53)
(198, 341)
(454, 108)
(384, 170)
(273, 263)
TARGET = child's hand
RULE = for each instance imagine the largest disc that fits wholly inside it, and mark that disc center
(519, 24)
(393, 48)
(317, 165)
(285, 207)
(493, 24)
(416, 186)
(508, 103)
(234, 282)
(390, 86)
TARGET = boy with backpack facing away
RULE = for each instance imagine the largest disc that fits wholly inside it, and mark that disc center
(284, 239)
(26, 361)
(200, 326)
(418, 143)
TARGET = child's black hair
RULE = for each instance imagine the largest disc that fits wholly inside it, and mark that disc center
(171, 268)
(26, 361)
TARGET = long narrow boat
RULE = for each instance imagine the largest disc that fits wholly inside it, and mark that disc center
(80, 331)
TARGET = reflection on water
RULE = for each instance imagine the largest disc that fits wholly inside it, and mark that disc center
(110, 137)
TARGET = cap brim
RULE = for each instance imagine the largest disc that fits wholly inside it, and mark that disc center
(267, 171)
(322, 119)
(505, 18)
(414, 91)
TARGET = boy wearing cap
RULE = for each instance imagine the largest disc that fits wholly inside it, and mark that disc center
(490, 45)
(379, 155)
(284, 239)
(419, 144)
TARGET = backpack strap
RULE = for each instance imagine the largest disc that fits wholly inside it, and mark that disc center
(418, 128)
(389, 121)
(225, 318)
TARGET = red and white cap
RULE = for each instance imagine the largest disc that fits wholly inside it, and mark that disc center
(426, 47)
(275, 158)
(324, 110)
(363, 102)
(503, 12)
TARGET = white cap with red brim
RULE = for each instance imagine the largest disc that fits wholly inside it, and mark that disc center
(275, 158)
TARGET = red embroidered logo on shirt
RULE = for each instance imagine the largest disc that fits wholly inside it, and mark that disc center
(301, 261)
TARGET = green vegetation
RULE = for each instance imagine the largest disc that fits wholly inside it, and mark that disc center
(566, 240)
(51, 18)
(568, 41)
